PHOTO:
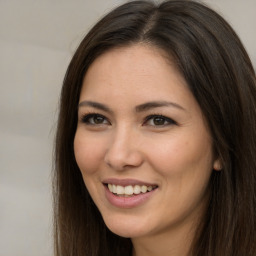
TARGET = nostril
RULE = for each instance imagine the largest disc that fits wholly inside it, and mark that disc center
(123, 160)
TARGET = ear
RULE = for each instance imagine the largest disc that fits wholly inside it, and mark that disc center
(217, 165)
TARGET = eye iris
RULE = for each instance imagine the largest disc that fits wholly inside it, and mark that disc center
(158, 121)
(98, 119)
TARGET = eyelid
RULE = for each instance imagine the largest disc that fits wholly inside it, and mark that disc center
(85, 117)
(168, 119)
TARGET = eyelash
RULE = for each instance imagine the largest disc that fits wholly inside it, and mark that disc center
(167, 121)
(86, 118)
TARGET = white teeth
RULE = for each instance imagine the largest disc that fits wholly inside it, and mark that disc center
(119, 190)
(144, 189)
(129, 190)
(136, 189)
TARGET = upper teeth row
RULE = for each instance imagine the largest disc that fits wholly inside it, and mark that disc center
(129, 190)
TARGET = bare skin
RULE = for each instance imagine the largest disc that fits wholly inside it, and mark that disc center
(139, 122)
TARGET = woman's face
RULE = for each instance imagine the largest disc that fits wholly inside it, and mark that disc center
(142, 144)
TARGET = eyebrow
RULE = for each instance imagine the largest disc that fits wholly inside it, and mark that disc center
(157, 104)
(140, 108)
(97, 105)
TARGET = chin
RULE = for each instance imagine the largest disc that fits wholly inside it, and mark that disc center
(127, 229)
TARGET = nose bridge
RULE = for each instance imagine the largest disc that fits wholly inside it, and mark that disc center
(123, 149)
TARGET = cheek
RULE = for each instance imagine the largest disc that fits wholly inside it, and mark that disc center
(181, 156)
(185, 169)
(89, 152)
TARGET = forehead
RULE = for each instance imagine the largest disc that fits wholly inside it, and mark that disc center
(134, 68)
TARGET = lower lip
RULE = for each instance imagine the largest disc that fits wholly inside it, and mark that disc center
(128, 202)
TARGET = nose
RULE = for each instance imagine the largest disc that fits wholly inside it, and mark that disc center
(124, 150)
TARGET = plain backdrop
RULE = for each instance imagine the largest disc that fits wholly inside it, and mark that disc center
(37, 40)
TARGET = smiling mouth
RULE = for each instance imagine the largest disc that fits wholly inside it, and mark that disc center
(128, 191)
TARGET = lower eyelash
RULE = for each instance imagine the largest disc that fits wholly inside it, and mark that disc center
(84, 118)
(169, 120)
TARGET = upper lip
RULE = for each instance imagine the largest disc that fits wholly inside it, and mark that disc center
(127, 182)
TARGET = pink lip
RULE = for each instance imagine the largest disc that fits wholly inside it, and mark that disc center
(127, 202)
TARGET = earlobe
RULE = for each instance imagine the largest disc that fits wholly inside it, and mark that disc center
(217, 165)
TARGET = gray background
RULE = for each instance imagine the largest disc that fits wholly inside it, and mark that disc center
(37, 40)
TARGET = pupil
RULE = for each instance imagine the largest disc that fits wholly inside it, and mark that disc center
(158, 121)
(98, 120)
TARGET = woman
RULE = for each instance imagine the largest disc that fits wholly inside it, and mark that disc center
(156, 139)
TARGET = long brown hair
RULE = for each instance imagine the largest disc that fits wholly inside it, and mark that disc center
(220, 75)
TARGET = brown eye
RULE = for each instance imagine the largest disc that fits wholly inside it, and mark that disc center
(98, 119)
(159, 120)
(94, 119)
